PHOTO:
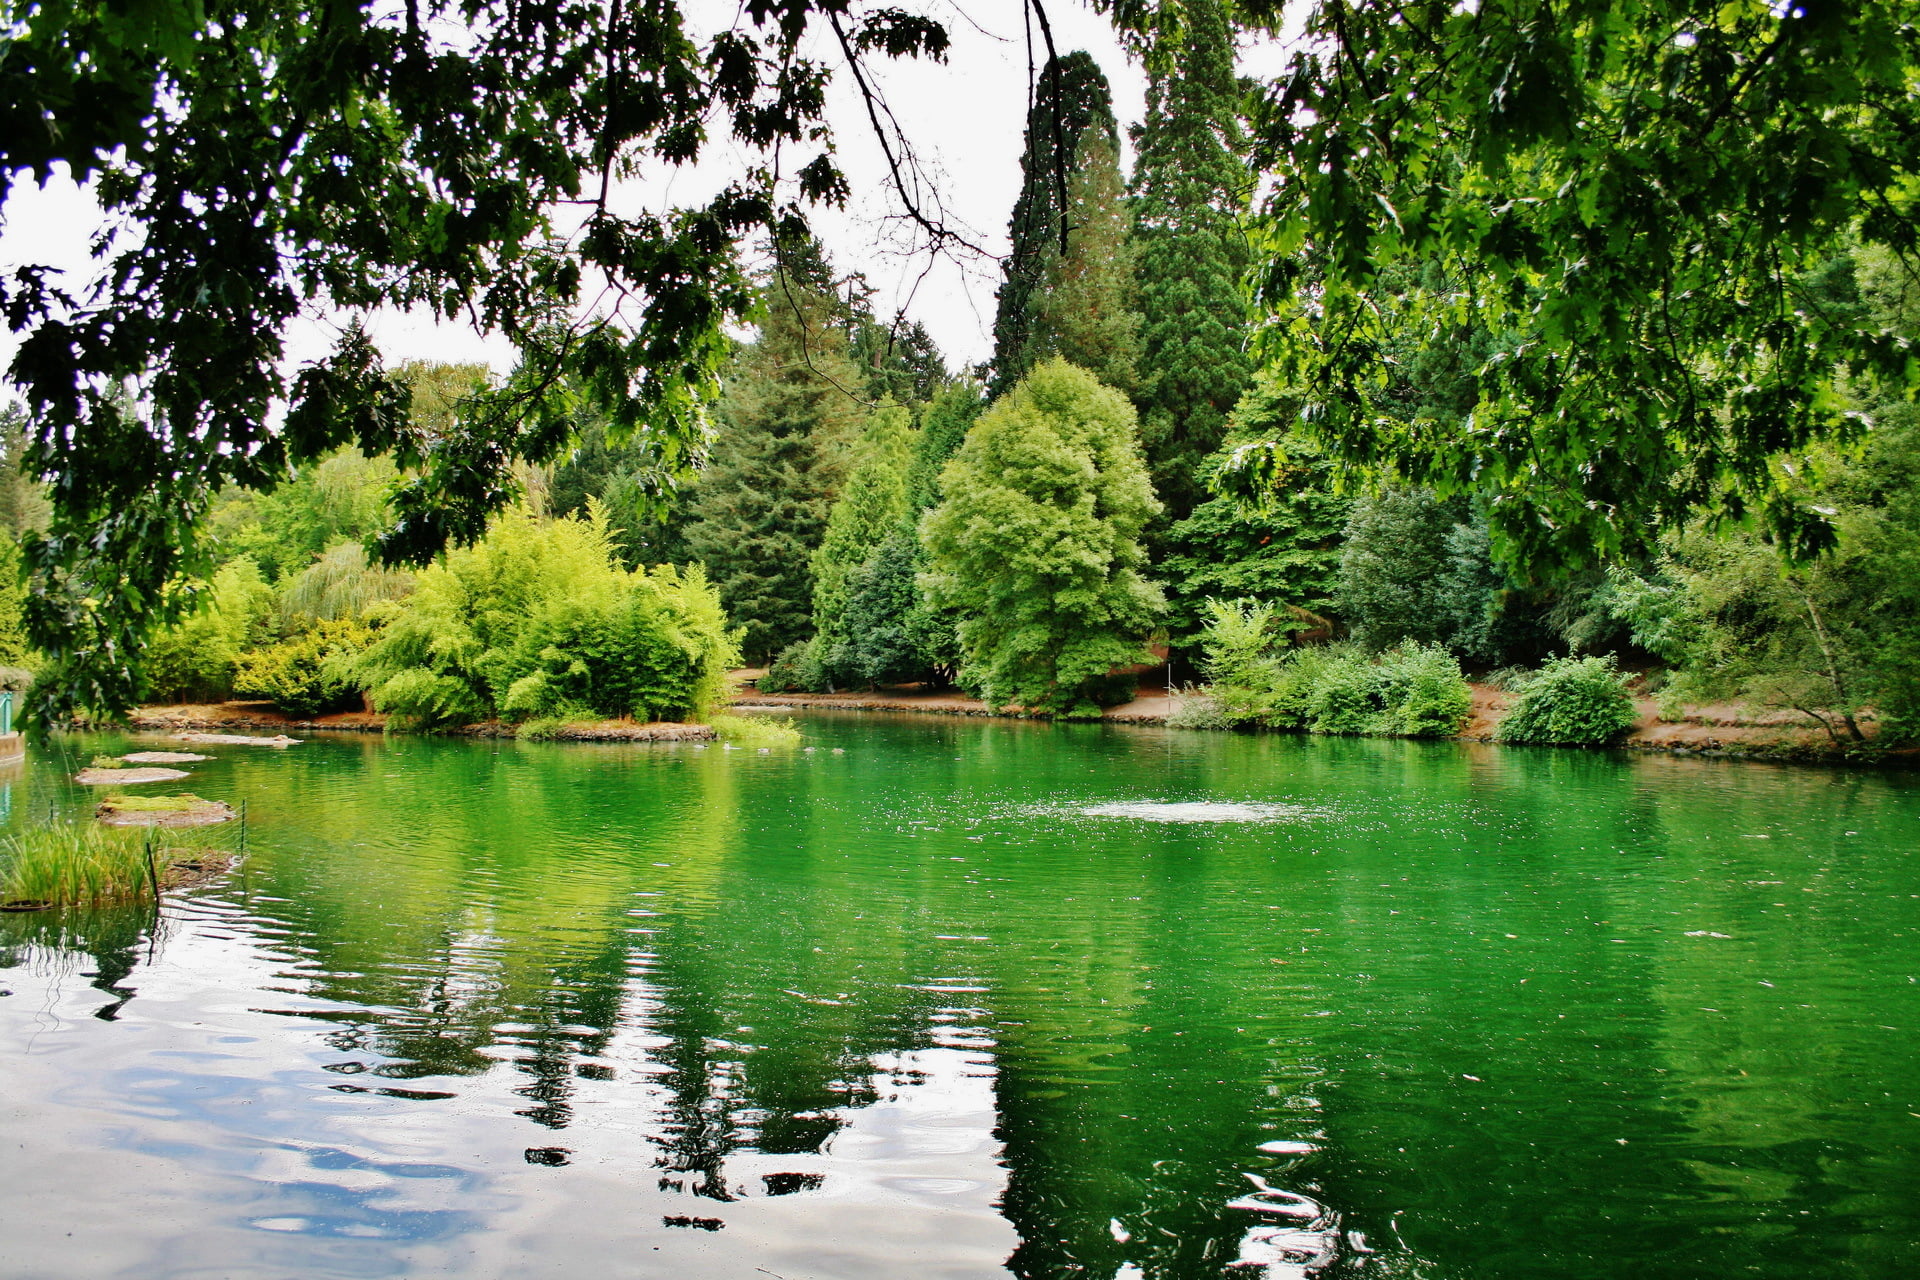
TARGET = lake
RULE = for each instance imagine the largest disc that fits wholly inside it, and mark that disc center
(961, 998)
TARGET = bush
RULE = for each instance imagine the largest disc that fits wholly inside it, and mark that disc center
(1427, 697)
(797, 669)
(1349, 696)
(1197, 711)
(539, 620)
(1572, 702)
(756, 731)
(303, 675)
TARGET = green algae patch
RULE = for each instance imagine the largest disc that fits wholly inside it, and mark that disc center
(184, 810)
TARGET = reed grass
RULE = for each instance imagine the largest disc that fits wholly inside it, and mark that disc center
(72, 864)
(755, 731)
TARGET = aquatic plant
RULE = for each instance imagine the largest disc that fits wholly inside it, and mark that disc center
(182, 803)
(756, 731)
(79, 864)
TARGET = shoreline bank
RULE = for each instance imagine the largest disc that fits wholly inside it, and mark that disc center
(1718, 732)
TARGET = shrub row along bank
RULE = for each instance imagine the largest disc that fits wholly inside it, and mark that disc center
(1410, 691)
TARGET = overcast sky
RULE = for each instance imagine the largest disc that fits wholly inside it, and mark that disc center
(965, 119)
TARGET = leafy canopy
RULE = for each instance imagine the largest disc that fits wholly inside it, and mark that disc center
(1631, 199)
(1036, 543)
(458, 156)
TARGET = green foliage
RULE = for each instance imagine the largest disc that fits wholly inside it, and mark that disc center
(900, 360)
(1071, 103)
(13, 595)
(267, 160)
(81, 864)
(1413, 691)
(872, 502)
(195, 659)
(756, 731)
(1191, 189)
(1828, 638)
(338, 499)
(787, 423)
(1286, 549)
(1086, 309)
(797, 668)
(1580, 702)
(943, 426)
(647, 516)
(1036, 543)
(888, 634)
(302, 674)
(539, 618)
(340, 586)
(1637, 201)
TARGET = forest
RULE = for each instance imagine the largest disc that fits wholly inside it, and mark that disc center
(1325, 477)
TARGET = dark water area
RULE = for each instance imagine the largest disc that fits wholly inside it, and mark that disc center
(949, 998)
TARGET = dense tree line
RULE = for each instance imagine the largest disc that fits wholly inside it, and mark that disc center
(1525, 372)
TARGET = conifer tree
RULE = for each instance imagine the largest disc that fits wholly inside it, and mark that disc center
(1189, 189)
(1037, 543)
(871, 504)
(1087, 310)
(787, 419)
(1071, 101)
(943, 426)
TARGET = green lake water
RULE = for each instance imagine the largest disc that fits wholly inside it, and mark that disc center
(953, 998)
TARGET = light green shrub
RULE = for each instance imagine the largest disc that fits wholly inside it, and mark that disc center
(539, 620)
(1572, 702)
(1426, 696)
(302, 675)
(756, 731)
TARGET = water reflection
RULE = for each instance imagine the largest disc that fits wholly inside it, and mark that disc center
(490, 1009)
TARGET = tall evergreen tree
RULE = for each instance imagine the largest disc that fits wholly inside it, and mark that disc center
(1071, 101)
(1087, 311)
(943, 427)
(787, 419)
(872, 503)
(1190, 188)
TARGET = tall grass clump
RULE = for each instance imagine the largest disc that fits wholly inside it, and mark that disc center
(79, 865)
(1578, 702)
(755, 731)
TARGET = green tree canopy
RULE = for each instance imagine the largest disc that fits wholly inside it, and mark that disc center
(1036, 543)
(265, 158)
(1087, 308)
(1633, 198)
(787, 423)
(1071, 102)
(1191, 188)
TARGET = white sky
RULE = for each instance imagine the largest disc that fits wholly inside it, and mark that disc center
(965, 119)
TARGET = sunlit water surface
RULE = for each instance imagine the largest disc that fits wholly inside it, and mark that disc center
(975, 999)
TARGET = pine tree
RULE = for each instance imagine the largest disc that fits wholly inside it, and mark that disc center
(1087, 311)
(1037, 543)
(1071, 101)
(943, 426)
(1190, 189)
(871, 504)
(787, 418)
